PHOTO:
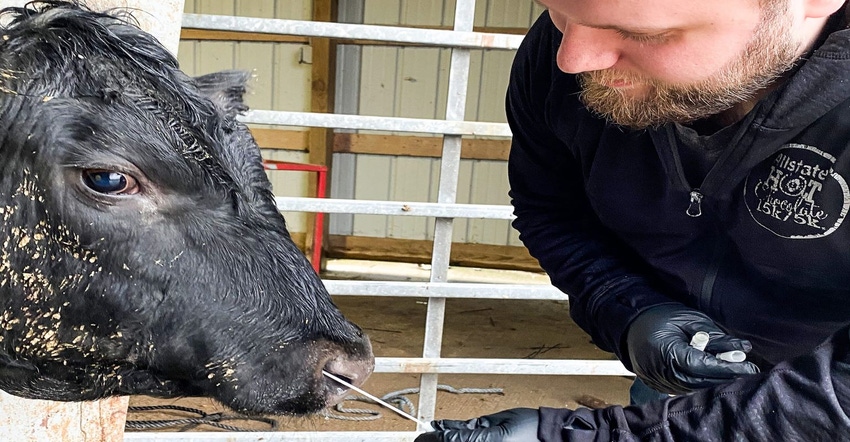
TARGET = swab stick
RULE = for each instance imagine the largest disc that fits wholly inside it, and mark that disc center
(424, 425)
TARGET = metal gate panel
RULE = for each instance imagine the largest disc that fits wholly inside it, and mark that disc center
(445, 210)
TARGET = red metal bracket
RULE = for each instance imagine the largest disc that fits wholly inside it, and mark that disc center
(321, 188)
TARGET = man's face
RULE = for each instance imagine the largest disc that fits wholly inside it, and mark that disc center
(644, 63)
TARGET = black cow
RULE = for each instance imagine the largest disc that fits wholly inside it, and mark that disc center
(141, 251)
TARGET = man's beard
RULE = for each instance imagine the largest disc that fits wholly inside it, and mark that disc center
(769, 54)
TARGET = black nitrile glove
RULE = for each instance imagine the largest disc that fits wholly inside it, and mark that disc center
(514, 425)
(658, 342)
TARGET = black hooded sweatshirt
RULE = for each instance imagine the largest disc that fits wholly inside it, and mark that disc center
(759, 241)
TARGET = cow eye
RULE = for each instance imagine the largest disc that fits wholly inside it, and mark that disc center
(110, 182)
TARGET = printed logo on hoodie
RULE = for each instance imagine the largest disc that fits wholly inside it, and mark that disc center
(797, 194)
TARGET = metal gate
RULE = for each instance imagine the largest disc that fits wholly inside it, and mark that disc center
(445, 210)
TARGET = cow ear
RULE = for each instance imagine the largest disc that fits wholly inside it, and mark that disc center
(226, 89)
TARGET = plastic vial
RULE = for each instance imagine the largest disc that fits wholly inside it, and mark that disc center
(732, 356)
(699, 341)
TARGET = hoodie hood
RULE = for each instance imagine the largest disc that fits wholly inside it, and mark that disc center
(821, 83)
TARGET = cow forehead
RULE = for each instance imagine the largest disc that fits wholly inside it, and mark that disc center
(68, 54)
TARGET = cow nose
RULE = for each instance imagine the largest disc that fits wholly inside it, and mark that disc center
(352, 371)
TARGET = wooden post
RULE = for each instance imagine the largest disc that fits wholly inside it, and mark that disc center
(321, 100)
(28, 420)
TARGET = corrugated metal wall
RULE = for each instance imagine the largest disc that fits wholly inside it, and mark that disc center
(391, 81)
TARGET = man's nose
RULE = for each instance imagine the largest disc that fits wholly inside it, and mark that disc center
(585, 49)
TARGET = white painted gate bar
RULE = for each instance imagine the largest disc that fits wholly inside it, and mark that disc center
(394, 208)
(390, 124)
(587, 367)
(446, 194)
(466, 290)
(458, 38)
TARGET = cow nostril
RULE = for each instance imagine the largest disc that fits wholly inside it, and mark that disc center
(342, 373)
(354, 372)
(338, 385)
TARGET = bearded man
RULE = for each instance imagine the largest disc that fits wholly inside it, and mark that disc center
(677, 167)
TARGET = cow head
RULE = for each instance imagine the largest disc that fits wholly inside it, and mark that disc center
(141, 250)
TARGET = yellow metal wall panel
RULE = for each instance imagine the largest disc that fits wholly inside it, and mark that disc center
(186, 56)
(381, 12)
(378, 81)
(292, 9)
(493, 83)
(418, 76)
(260, 56)
(212, 56)
(410, 181)
(218, 7)
(490, 186)
(418, 12)
(378, 167)
(507, 13)
(291, 90)
(473, 93)
(255, 8)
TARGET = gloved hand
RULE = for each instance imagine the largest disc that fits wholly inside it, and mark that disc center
(658, 342)
(514, 425)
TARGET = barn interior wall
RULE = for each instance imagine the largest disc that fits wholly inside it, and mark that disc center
(412, 82)
(389, 81)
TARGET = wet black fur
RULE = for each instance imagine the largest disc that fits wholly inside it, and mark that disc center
(191, 286)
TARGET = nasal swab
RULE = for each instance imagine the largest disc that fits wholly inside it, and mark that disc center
(424, 425)
(700, 340)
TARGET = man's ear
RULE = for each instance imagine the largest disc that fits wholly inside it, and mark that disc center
(226, 89)
(822, 8)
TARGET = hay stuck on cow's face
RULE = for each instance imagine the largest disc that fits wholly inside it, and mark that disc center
(141, 251)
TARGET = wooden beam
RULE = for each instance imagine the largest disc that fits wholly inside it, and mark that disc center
(377, 144)
(471, 148)
(214, 35)
(282, 139)
(419, 251)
